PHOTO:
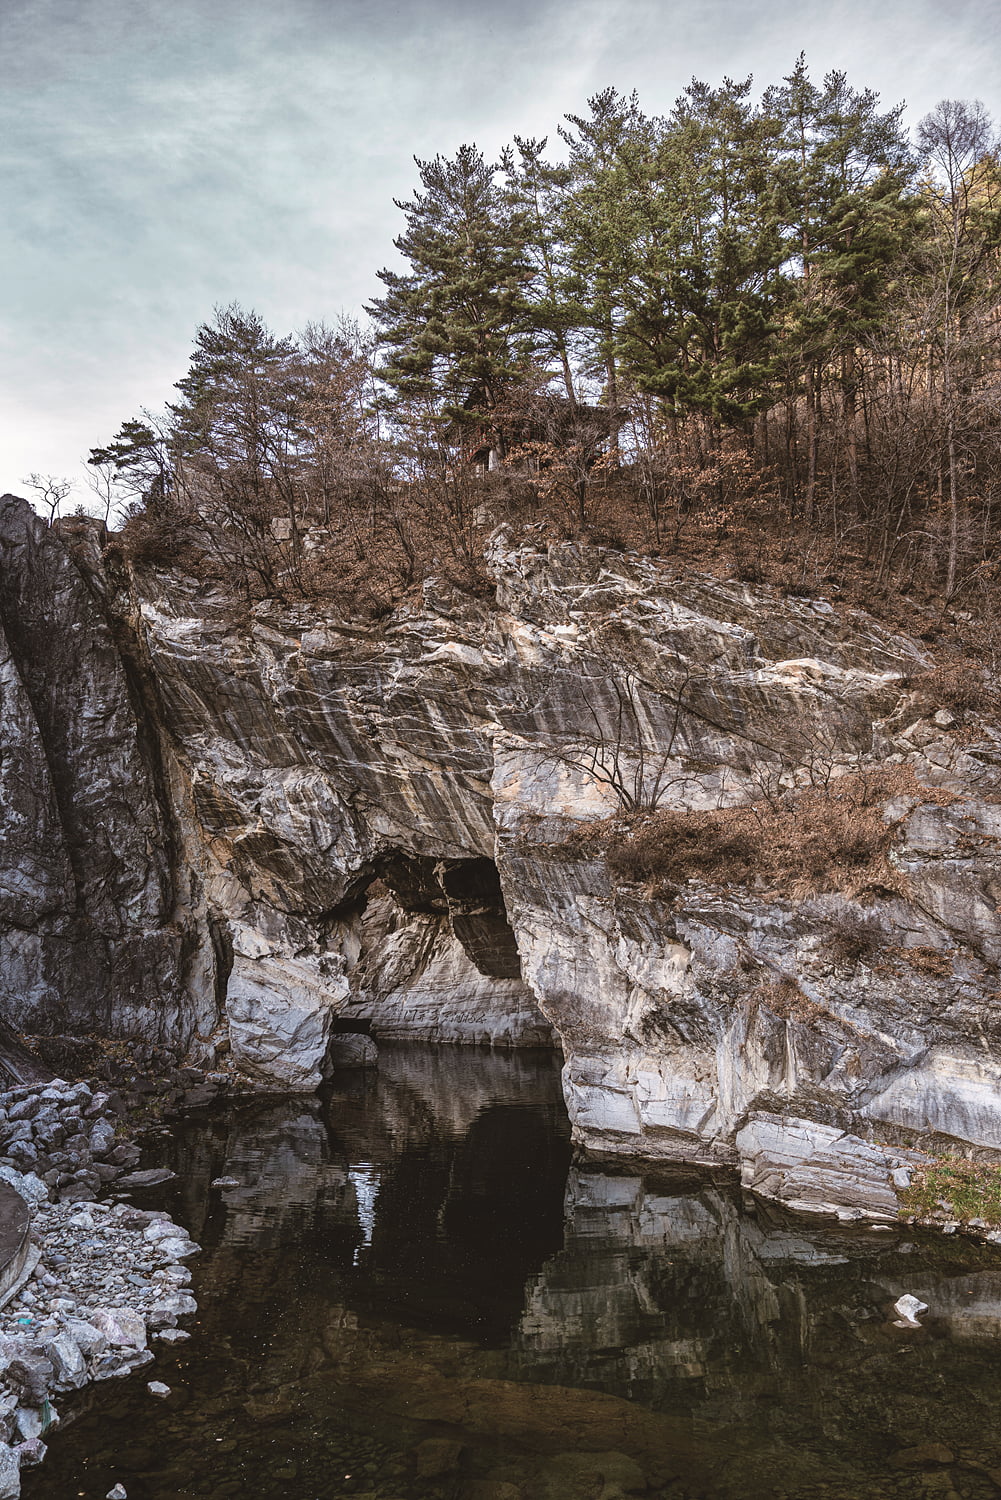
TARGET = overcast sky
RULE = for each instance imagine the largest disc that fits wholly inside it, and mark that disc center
(159, 159)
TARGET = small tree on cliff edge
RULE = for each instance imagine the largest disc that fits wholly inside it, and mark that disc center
(49, 491)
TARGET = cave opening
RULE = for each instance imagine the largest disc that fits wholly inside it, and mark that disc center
(468, 892)
(432, 956)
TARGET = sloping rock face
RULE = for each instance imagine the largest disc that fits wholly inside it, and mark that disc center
(95, 931)
(357, 787)
(376, 818)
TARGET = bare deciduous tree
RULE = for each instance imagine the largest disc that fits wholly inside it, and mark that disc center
(49, 492)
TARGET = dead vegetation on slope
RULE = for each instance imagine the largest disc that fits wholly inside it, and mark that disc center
(836, 838)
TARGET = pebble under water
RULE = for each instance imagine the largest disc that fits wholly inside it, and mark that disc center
(412, 1295)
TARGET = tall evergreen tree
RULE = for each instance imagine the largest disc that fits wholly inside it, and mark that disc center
(610, 150)
(457, 327)
(841, 170)
(538, 190)
(699, 330)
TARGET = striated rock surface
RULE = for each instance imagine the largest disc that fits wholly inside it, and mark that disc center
(371, 821)
(98, 931)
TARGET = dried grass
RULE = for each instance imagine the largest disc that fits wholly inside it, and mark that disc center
(853, 937)
(923, 960)
(832, 839)
(959, 686)
(784, 998)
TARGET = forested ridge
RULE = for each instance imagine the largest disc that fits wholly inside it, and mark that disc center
(760, 333)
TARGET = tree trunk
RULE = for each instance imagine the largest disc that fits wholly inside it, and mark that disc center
(950, 577)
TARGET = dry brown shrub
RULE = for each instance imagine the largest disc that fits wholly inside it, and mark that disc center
(833, 838)
(784, 998)
(923, 960)
(852, 936)
(955, 685)
(154, 538)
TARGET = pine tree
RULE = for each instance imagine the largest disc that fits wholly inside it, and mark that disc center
(538, 191)
(457, 327)
(842, 171)
(238, 407)
(602, 223)
(700, 325)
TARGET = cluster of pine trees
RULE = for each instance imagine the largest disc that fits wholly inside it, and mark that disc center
(768, 328)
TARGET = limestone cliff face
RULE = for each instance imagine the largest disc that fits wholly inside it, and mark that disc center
(97, 932)
(375, 819)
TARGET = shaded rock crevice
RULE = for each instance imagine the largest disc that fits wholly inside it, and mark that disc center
(469, 892)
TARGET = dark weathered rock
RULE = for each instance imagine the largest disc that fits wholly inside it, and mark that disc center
(31, 1376)
(94, 928)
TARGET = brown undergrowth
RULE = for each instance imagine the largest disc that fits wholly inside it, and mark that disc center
(375, 549)
(923, 960)
(957, 685)
(784, 998)
(834, 838)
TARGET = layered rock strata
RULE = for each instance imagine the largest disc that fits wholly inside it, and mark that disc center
(372, 821)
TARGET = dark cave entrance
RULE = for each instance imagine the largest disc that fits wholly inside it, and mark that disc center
(432, 956)
(468, 892)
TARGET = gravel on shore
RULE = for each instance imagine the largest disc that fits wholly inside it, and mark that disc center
(100, 1279)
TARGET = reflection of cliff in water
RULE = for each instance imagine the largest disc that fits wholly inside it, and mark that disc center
(406, 1262)
(433, 1184)
(773, 1334)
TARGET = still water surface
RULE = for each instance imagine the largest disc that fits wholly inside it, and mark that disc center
(414, 1296)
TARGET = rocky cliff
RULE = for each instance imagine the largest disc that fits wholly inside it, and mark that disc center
(341, 826)
(99, 932)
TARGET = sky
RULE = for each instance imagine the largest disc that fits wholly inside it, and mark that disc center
(160, 159)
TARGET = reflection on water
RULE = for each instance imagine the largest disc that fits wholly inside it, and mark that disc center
(409, 1298)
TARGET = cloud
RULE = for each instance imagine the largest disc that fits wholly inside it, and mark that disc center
(157, 159)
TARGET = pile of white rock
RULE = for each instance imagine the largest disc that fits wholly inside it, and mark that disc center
(99, 1280)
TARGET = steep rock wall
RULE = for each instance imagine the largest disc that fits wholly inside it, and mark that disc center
(98, 931)
(326, 755)
(377, 819)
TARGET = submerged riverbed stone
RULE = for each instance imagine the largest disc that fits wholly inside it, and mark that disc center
(150, 1177)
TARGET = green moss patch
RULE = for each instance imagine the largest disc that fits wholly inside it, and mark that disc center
(972, 1190)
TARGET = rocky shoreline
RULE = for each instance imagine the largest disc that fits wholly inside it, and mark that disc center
(94, 1281)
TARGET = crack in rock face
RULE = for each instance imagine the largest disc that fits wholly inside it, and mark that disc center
(293, 828)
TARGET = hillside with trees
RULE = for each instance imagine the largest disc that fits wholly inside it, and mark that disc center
(758, 334)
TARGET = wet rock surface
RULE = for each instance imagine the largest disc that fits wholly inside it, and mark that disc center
(76, 1139)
